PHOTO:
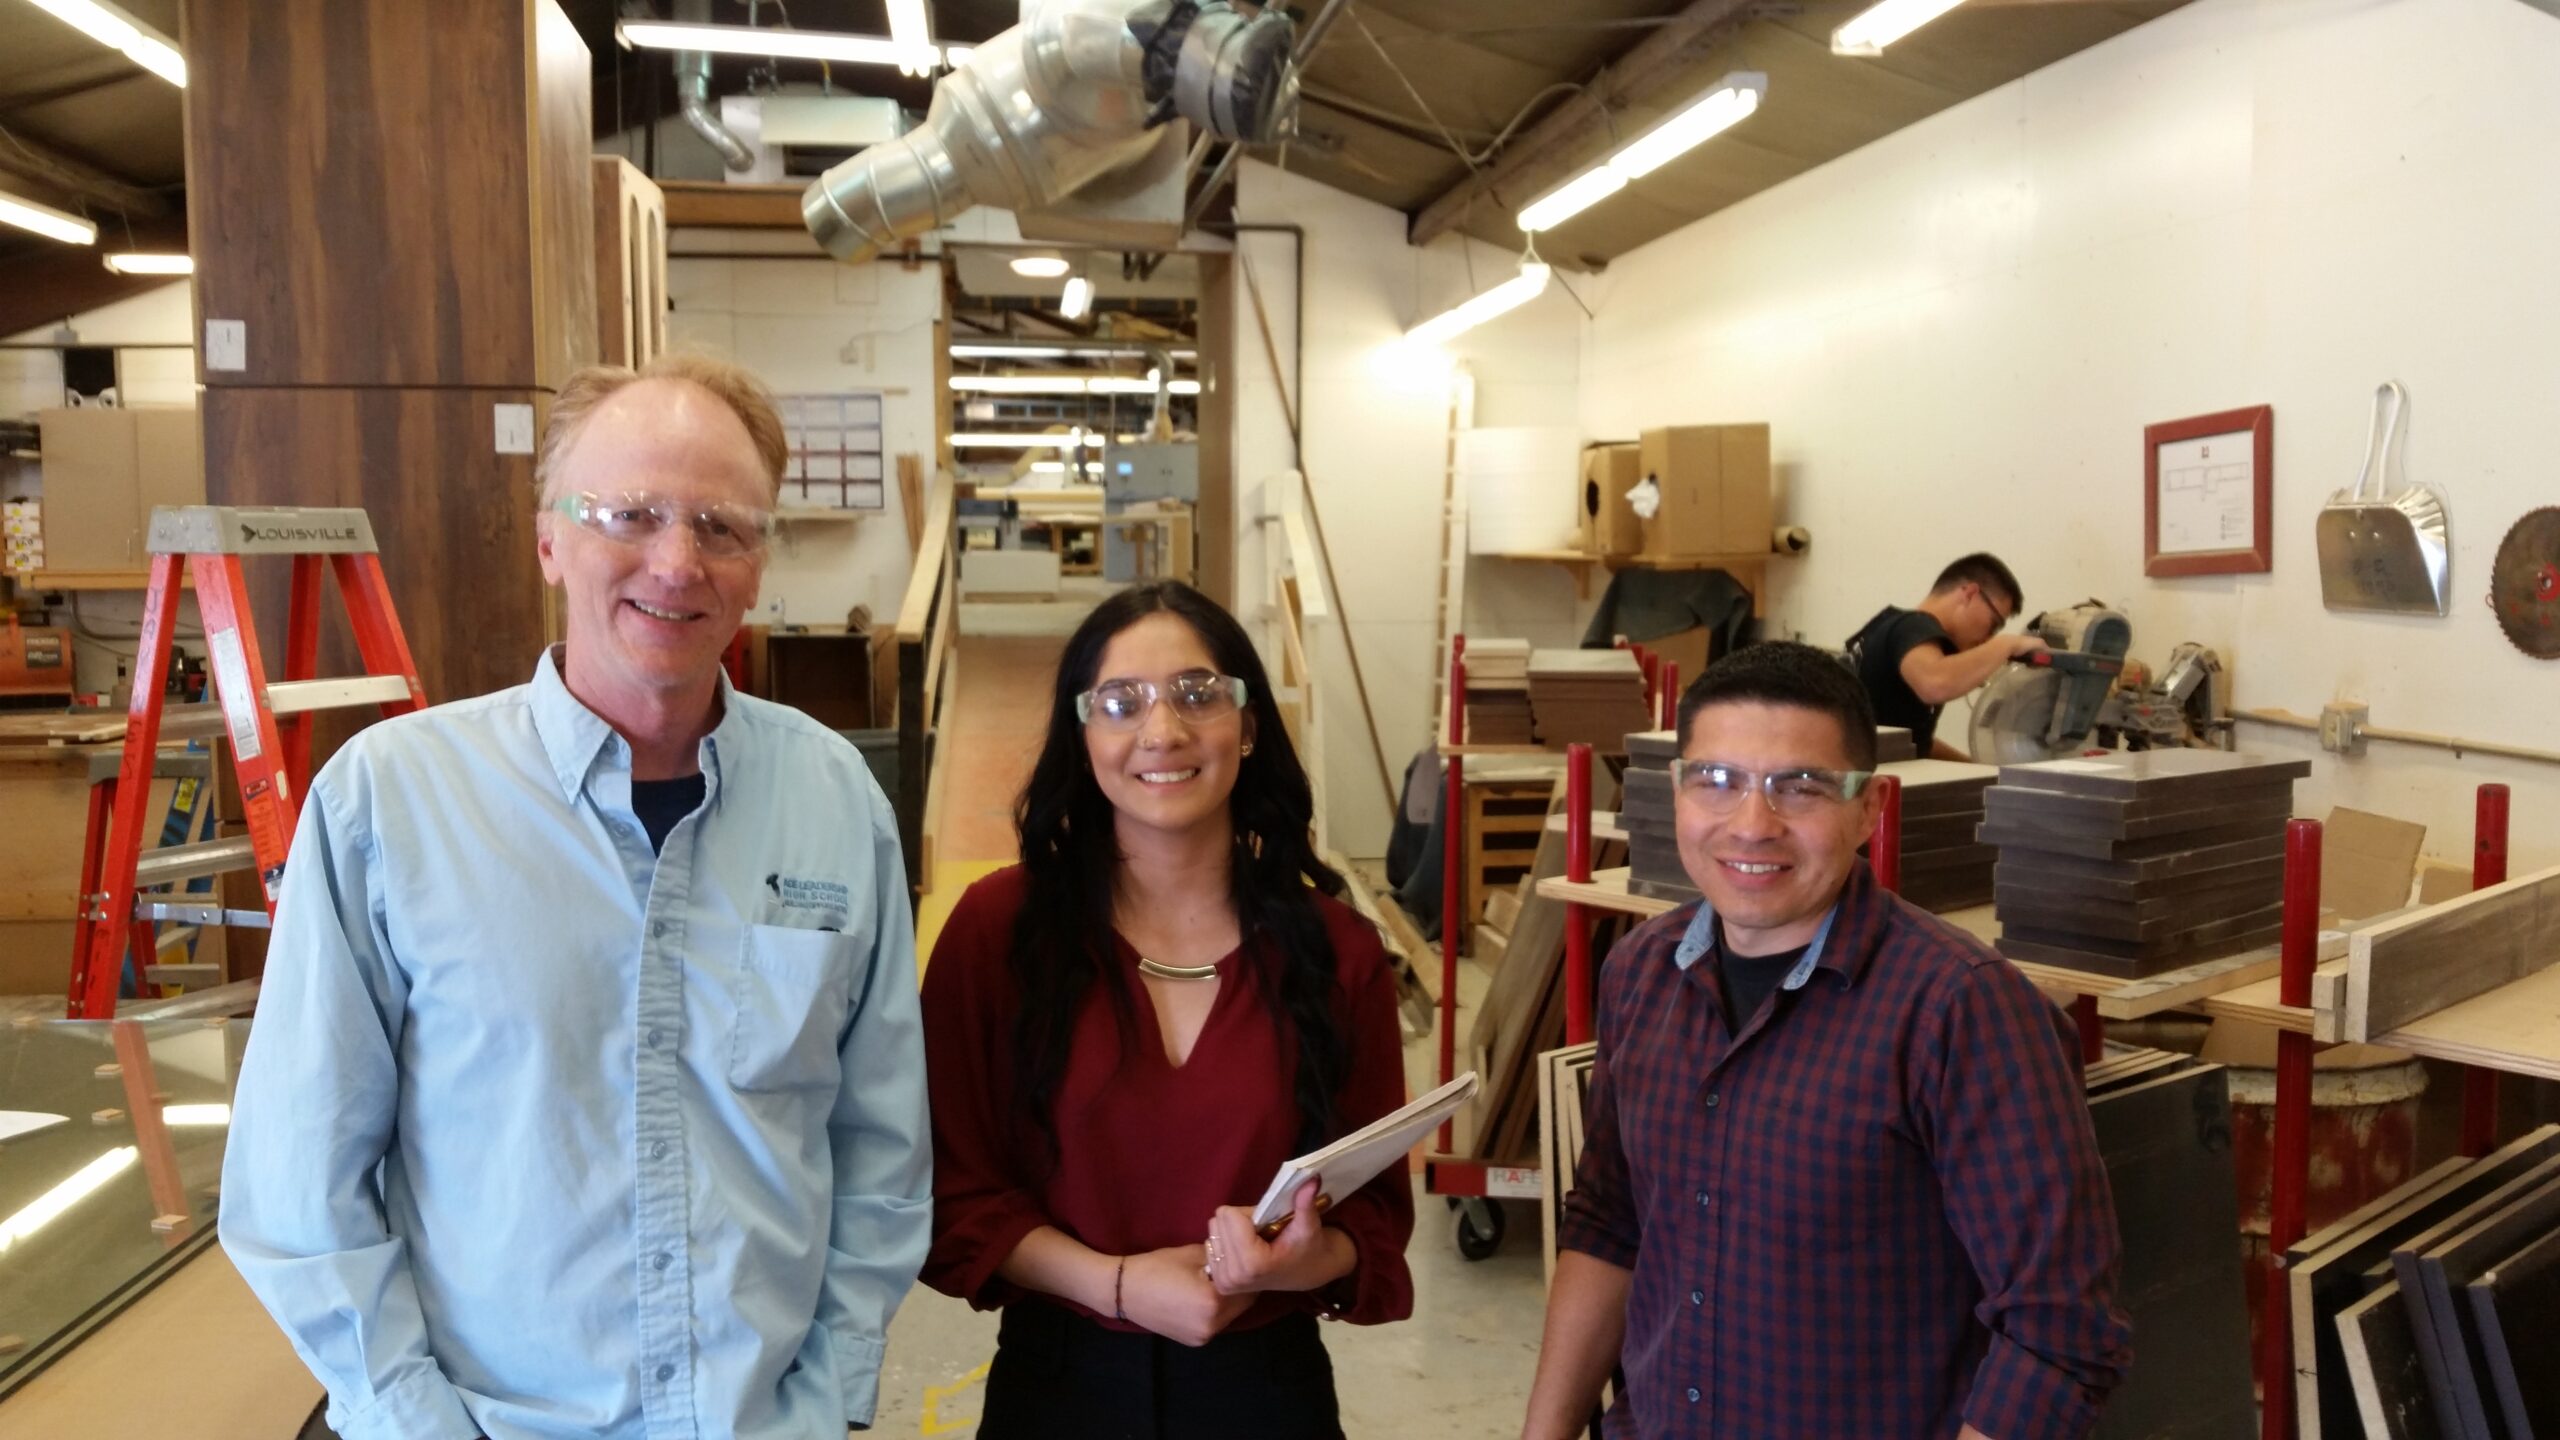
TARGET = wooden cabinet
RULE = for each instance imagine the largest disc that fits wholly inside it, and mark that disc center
(103, 471)
(389, 193)
(631, 264)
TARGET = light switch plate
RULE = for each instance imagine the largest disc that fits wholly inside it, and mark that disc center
(515, 429)
(226, 344)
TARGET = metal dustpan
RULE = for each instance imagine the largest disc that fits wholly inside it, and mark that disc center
(2380, 548)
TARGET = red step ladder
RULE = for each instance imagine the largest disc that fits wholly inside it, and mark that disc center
(267, 726)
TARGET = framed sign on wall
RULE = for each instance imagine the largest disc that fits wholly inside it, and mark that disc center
(2208, 487)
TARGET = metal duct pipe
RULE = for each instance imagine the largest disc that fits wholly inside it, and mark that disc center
(1047, 107)
(693, 93)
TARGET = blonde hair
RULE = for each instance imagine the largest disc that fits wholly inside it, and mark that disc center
(732, 384)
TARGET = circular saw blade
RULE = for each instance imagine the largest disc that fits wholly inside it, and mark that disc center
(2011, 714)
(2524, 584)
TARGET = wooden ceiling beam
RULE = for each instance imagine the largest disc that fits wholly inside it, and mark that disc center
(1652, 63)
(37, 161)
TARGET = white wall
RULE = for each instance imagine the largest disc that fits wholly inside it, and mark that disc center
(1376, 427)
(817, 327)
(1959, 332)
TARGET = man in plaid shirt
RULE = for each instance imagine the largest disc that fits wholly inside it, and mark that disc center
(1838, 1178)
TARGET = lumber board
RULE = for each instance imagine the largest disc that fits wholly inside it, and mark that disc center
(2379, 1347)
(2325, 1270)
(2448, 1372)
(2132, 819)
(2446, 1270)
(2439, 955)
(2154, 772)
(2516, 1307)
(2065, 845)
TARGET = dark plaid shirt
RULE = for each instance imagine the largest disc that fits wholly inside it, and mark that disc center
(1878, 1212)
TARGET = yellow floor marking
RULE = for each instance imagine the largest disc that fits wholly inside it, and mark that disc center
(934, 1395)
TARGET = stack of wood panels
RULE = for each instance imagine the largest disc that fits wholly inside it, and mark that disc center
(1894, 743)
(1498, 693)
(1564, 1097)
(1645, 813)
(2128, 865)
(1943, 866)
(1587, 697)
(2422, 1312)
(1522, 1015)
(2163, 1122)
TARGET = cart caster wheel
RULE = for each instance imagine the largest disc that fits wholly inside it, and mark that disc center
(1480, 1227)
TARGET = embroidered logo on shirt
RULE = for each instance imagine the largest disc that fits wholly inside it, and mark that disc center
(828, 898)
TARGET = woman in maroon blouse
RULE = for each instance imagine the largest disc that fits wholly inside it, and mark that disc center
(1127, 1034)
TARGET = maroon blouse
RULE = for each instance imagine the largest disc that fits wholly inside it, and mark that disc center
(1146, 1150)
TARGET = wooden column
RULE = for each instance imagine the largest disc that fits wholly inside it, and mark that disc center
(393, 201)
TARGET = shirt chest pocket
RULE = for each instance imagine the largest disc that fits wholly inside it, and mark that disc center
(790, 996)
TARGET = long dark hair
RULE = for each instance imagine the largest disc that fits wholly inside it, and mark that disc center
(1071, 857)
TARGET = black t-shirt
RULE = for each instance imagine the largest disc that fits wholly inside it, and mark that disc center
(1750, 979)
(661, 803)
(1878, 650)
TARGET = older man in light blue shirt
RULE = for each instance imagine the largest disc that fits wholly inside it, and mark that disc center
(586, 1093)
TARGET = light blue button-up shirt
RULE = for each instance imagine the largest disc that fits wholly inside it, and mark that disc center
(541, 1134)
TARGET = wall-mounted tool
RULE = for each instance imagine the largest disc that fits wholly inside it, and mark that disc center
(2524, 584)
(2382, 548)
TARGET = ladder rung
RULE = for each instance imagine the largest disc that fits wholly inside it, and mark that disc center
(175, 935)
(186, 862)
(296, 697)
(194, 972)
(163, 912)
(288, 697)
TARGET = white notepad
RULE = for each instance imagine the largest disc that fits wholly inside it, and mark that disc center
(1356, 1158)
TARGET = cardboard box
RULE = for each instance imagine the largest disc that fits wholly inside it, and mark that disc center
(2367, 862)
(1609, 525)
(1715, 491)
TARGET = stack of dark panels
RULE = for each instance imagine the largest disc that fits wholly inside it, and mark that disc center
(1498, 693)
(1645, 813)
(1587, 697)
(1943, 866)
(1893, 743)
(2129, 865)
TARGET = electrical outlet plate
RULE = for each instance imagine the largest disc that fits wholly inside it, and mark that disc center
(2342, 725)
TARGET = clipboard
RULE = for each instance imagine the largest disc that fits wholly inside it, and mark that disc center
(1357, 1158)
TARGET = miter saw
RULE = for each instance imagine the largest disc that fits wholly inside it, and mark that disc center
(2083, 693)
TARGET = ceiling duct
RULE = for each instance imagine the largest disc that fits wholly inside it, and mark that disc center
(1073, 93)
(693, 94)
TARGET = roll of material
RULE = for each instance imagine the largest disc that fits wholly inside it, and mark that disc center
(1790, 540)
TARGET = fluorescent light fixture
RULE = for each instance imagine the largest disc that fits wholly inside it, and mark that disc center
(1067, 385)
(764, 40)
(134, 262)
(86, 1181)
(1011, 352)
(1732, 101)
(958, 55)
(907, 31)
(1040, 267)
(1880, 25)
(1510, 295)
(1575, 196)
(1078, 301)
(46, 221)
(116, 30)
(992, 440)
(195, 1114)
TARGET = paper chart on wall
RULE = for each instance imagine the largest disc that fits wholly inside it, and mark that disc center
(2207, 489)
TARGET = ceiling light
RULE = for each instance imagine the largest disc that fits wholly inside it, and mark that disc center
(83, 1183)
(1027, 442)
(907, 31)
(195, 1114)
(764, 40)
(1067, 385)
(1510, 295)
(117, 30)
(46, 221)
(1880, 25)
(1040, 267)
(1078, 300)
(135, 262)
(1732, 101)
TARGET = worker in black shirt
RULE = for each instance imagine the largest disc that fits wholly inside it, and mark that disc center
(1914, 661)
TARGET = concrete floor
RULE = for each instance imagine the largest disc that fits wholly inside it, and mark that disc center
(1458, 1370)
